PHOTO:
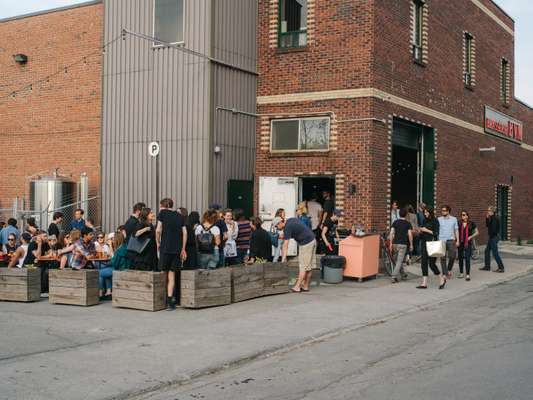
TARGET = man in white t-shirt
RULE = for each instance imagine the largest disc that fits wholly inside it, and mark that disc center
(314, 211)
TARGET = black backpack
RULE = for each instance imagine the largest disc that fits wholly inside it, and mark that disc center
(205, 241)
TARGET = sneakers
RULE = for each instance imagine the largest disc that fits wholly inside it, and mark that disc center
(171, 305)
(484, 269)
(500, 270)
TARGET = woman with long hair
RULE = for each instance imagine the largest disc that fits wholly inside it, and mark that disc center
(208, 240)
(230, 247)
(145, 230)
(467, 232)
(429, 231)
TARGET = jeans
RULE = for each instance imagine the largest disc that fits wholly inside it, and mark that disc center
(399, 251)
(465, 256)
(221, 258)
(208, 261)
(492, 245)
(240, 255)
(277, 251)
(451, 255)
(105, 278)
(427, 261)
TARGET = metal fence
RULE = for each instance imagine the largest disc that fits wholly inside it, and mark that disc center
(43, 218)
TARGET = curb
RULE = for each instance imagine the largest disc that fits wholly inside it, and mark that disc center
(304, 342)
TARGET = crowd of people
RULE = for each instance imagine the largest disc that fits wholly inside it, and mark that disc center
(412, 235)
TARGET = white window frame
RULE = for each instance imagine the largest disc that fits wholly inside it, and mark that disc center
(182, 25)
(299, 131)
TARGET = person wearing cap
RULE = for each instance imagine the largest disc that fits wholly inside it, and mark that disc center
(329, 232)
(17, 260)
(295, 229)
(83, 249)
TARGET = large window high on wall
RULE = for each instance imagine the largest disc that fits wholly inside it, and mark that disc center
(168, 20)
(292, 23)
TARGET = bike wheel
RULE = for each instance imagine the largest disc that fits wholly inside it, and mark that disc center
(386, 261)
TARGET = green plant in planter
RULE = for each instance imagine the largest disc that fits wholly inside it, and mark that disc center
(530, 241)
(519, 241)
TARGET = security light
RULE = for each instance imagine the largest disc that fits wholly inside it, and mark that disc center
(20, 58)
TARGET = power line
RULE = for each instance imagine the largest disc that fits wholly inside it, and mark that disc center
(63, 69)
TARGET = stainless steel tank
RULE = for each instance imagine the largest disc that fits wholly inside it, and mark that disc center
(50, 193)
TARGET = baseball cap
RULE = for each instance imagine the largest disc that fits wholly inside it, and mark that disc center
(276, 221)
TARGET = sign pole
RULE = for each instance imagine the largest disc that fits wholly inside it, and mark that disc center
(154, 150)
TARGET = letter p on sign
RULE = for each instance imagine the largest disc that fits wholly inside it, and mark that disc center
(153, 149)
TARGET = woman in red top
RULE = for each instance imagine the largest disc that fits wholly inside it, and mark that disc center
(467, 232)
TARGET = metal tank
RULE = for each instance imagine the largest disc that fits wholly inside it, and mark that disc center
(49, 193)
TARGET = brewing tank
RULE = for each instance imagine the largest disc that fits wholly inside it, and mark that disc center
(50, 193)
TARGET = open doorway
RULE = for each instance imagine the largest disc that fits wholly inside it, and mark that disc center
(311, 186)
(413, 164)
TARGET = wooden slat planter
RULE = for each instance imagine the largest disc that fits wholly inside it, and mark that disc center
(140, 290)
(73, 287)
(205, 288)
(247, 282)
(20, 284)
(276, 278)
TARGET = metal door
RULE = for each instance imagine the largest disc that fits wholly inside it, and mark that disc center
(241, 195)
(503, 210)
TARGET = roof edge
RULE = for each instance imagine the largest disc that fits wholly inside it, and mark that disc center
(503, 10)
(51, 10)
(523, 103)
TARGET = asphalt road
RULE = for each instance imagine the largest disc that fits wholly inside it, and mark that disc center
(477, 347)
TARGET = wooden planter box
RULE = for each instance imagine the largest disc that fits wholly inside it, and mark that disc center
(140, 290)
(247, 282)
(73, 287)
(205, 288)
(276, 278)
(20, 284)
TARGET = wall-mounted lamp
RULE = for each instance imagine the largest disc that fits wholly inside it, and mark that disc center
(20, 58)
(352, 189)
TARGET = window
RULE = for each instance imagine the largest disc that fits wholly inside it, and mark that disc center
(168, 20)
(504, 81)
(292, 29)
(307, 134)
(417, 29)
(469, 43)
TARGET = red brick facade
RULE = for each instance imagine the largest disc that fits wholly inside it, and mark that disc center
(56, 123)
(363, 49)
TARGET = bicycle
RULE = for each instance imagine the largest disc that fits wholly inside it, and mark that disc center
(385, 254)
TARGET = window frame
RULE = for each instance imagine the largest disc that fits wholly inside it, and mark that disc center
(299, 150)
(469, 62)
(417, 34)
(291, 33)
(504, 77)
(159, 45)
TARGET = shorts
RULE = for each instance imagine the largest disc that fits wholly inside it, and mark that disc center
(169, 262)
(306, 257)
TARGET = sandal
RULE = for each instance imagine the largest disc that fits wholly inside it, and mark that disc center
(296, 291)
(421, 287)
(304, 290)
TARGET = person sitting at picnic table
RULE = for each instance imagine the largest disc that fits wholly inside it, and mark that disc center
(120, 261)
(65, 254)
(102, 246)
(260, 243)
(8, 250)
(53, 248)
(17, 260)
(83, 250)
(53, 228)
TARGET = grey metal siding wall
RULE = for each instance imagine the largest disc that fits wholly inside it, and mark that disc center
(154, 94)
(234, 41)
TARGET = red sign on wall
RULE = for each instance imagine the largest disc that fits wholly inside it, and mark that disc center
(502, 125)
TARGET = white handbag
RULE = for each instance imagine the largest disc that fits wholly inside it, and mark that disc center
(436, 248)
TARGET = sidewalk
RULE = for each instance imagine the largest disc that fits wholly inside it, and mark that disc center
(65, 352)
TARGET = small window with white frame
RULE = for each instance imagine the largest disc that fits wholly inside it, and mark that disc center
(300, 134)
(169, 21)
(417, 30)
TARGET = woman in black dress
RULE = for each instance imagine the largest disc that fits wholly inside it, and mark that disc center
(192, 221)
(144, 229)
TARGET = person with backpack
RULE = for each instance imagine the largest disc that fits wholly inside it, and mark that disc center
(208, 240)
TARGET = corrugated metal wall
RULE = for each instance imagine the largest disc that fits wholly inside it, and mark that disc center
(234, 41)
(161, 94)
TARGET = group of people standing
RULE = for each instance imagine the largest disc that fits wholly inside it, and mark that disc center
(410, 231)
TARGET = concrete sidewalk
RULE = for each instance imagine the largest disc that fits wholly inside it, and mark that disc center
(65, 352)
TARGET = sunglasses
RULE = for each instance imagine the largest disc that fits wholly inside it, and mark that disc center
(11, 239)
(100, 237)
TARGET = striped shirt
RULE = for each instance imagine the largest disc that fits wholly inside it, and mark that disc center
(244, 235)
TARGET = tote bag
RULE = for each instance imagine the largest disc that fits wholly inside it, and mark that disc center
(138, 245)
(436, 248)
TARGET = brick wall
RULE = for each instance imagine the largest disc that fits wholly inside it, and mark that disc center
(56, 123)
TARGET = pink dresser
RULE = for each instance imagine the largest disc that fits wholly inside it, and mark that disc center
(362, 256)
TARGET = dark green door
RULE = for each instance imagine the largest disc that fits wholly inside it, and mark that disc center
(503, 210)
(428, 168)
(241, 195)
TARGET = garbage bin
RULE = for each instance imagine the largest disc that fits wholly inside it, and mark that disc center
(332, 268)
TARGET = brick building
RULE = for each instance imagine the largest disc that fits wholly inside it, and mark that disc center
(392, 99)
(54, 123)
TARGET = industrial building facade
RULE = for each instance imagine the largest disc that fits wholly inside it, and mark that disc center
(377, 101)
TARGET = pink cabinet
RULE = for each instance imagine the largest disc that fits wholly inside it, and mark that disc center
(362, 256)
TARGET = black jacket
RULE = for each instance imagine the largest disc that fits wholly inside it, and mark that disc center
(493, 226)
(433, 226)
(261, 245)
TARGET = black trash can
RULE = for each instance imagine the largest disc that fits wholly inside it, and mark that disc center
(332, 268)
